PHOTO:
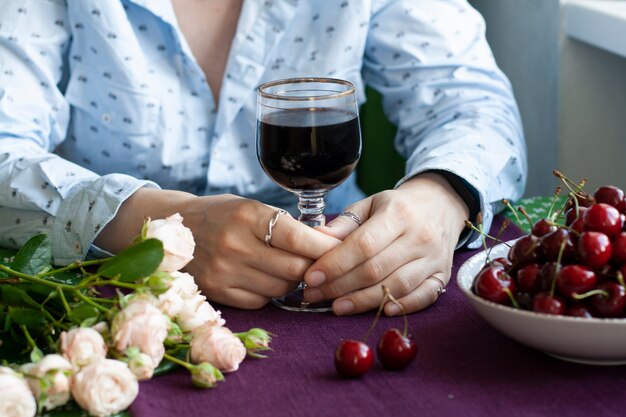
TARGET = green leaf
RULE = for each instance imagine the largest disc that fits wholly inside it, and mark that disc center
(34, 256)
(30, 318)
(83, 311)
(137, 261)
(13, 295)
(36, 355)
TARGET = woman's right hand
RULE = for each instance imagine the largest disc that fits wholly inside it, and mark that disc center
(232, 264)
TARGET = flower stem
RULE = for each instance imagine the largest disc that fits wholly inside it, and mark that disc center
(74, 265)
(35, 279)
(177, 361)
(68, 310)
(90, 302)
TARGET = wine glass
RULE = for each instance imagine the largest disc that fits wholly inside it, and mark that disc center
(308, 142)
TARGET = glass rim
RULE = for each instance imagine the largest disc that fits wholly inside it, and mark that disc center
(333, 95)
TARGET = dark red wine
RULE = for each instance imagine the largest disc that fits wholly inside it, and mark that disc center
(309, 149)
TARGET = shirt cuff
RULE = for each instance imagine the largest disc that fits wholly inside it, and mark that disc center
(84, 213)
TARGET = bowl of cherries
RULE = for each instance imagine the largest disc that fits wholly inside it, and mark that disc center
(560, 288)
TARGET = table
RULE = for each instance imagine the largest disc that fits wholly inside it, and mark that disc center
(463, 368)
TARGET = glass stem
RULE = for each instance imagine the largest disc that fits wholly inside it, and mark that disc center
(311, 207)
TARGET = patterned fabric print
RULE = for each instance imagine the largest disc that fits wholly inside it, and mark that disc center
(537, 208)
(100, 98)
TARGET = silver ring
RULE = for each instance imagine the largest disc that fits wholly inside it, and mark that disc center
(352, 216)
(270, 226)
(441, 287)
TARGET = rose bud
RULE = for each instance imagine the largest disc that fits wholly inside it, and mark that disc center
(16, 400)
(178, 243)
(159, 282)
(140, 364)
(105, 387)
(205, 375)
(82, 346)
(255, 340)
(217, 346)
(49, 380)
(142, 325)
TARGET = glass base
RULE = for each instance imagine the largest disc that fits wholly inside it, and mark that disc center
(294, 301)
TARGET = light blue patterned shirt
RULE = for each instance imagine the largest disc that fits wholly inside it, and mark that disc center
(101, 97)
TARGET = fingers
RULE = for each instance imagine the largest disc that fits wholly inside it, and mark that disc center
(240, 298)
(365, 243)
(347, 222)
(402, 283)
(426, 294)
(292, 236)
(369, 273)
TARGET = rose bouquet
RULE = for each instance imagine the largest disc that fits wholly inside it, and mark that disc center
(91, 330)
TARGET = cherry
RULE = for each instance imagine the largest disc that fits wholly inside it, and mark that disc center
(548, 304)
(548, 273)
(494, 284)
(353, 358)
(603, 218)
(524, 251)
(529, 279)
(594, 249)
(396, 351)
(543, 227)
(503, 262)
(550, 245)
(571, 214)
(612, 303)
(575, 279)
(618, 245)
(578, 310)
(609, 194)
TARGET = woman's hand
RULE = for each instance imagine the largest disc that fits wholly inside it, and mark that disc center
(232, 264)
(408, 235)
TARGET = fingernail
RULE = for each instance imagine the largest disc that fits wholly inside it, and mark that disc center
(313, 295)
(316, 278)
(343, 307)
(393, 310)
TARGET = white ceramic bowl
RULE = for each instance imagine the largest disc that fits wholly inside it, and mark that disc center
(591, 341)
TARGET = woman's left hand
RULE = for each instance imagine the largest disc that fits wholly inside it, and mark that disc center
(408, 235)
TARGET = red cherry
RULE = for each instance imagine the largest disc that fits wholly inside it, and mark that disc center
(603, 218)
(543, 227)
(494, 284)
(548, 304)
(611, 305)
(396, 351)
(353, 358)
(575, 279)
(594, 249)
(524, 251)
(578, 310)
(503, 262)
(618, 246)
(609, 194)
(571, 214)
(550, 245)
(529, 279)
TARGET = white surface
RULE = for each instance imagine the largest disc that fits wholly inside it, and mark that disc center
(601, 23)
(591, 341)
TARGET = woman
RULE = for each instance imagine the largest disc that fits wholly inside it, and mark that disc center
(111, 112)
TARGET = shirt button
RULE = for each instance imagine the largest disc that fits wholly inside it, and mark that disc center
(106, 117)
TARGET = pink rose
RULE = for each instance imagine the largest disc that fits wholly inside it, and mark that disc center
(16, 400)
(217, 346)
(105, 387)
(49, 380)
(141, 325)
(82, 346)
(173, 300)
(178, 243)
(196, 311)
(142, 366)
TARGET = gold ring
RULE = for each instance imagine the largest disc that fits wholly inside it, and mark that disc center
(352, 216)
(270, 226)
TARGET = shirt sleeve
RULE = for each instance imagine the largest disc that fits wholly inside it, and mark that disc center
(453, 107)
(40, 192)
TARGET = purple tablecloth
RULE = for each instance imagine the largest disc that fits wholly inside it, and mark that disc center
(463, 368)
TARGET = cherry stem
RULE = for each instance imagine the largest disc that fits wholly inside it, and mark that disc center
(591, 293)
(401, 307)
(380, 310)
(511, 297)
(558, 267)
(503, 227)
(557, 192)
(620, 278)
(508, 205)
(483, 235)
(523, 211)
